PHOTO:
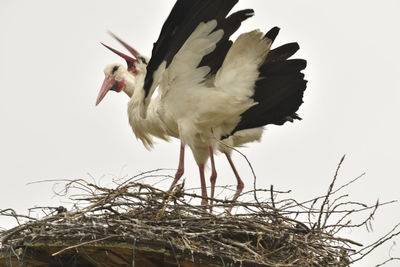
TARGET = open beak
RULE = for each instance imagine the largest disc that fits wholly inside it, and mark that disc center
(132, 50)
(108, 83)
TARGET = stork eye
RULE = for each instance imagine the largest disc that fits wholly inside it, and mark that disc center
(143, 60)
(114, 69)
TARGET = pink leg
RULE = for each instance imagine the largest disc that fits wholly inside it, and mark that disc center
(181, 166)
(213, 177)
(240, 184)
(203, 185)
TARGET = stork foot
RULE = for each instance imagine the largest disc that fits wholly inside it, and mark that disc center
(239, 189)
(181, 166)
(213, 179)
(178, 176)
(204, 202)
(240, 184)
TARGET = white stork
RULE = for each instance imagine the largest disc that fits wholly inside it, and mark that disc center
(209, 88)
(126, 84)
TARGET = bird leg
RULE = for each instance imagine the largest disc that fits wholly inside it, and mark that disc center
(213, 177)
(204, 201)
(181, 166)
(240, 184)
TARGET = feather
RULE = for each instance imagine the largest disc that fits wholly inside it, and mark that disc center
(184, 18)
(230, 25)
(279, 89)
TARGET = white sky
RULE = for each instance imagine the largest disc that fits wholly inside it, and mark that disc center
(51, 68)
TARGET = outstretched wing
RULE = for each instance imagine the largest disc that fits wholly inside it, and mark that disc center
(230, 25)
(279, 89)
(186, 16)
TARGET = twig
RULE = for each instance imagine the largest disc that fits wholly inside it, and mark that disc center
(85, 243)
(329, 192)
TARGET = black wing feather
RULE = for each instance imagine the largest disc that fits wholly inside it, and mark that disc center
(185, 16)
(230, 25)
(282, 53)
(271, 34)
(279, 89)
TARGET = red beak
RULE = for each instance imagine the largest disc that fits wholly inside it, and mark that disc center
(108, 83)
(129, 60)
(132, 50)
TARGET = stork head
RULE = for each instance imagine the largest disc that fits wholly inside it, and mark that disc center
(118, 77)
(114, 80)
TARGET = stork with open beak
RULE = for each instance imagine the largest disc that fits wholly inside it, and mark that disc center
(126, 85)
(119, 78)
(209, 88)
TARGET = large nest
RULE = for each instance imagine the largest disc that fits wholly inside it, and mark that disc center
(135, 224)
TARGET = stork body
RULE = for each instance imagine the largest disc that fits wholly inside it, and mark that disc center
(154, 124)
(210, 89)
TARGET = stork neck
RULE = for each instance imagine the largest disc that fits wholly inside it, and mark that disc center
(129, 80)
(138, 93)
(128, 90)
(135, 81)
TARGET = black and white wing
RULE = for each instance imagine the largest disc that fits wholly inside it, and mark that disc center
(279, 89)
(184, 19)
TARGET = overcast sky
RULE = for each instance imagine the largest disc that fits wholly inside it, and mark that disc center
(51, 68)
